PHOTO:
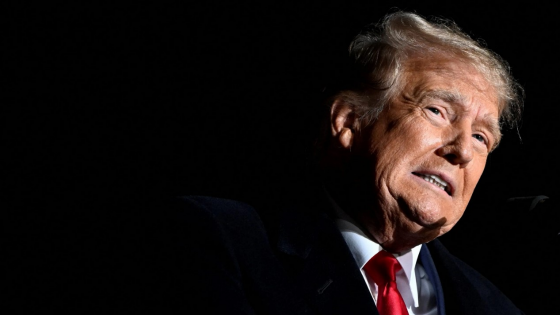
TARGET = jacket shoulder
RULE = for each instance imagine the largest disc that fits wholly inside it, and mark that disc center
(218, 208)
(236, 270)
(465, 289)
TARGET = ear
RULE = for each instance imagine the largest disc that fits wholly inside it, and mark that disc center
(343, 123)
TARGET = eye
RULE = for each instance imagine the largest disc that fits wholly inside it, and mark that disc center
(434, 110)
(479, 137)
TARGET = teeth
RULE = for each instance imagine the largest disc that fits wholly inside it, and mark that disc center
(435, 180)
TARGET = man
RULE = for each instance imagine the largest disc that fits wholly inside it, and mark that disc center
(407, 136)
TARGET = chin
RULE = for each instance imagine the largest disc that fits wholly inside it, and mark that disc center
(427, 215)
(444, 230)
(432, 222)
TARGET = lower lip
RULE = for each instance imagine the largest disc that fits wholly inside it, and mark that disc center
(441, 191)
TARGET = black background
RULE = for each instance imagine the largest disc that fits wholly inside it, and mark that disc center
(114, 103)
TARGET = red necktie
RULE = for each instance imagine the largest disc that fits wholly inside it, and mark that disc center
(382, 268)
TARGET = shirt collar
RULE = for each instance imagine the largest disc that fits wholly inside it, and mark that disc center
(364, 248)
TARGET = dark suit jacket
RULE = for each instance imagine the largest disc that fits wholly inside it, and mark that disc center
(295, 261)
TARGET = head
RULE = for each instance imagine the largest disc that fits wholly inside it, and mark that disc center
(411, 128)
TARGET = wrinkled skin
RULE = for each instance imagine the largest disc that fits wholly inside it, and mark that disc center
(445, 123)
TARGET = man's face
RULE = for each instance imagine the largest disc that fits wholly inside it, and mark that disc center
(419, 163)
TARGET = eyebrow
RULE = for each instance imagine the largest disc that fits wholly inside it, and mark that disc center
(445, 95)
(459, 99)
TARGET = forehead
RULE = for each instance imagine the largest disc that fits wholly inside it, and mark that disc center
(451, 80)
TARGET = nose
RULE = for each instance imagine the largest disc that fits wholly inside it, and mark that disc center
(458, 147)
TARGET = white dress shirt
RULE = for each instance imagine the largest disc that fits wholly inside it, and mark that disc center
(412, 281)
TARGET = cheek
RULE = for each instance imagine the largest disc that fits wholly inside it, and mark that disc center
(395, 158)
(397, 146)
(410, 136)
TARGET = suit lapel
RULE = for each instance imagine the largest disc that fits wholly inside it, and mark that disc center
(430, 268)
(322, 267)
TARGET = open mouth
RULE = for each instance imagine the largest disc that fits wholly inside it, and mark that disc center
(437, 181)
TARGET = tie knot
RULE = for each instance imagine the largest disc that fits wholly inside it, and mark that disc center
(382, 268)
